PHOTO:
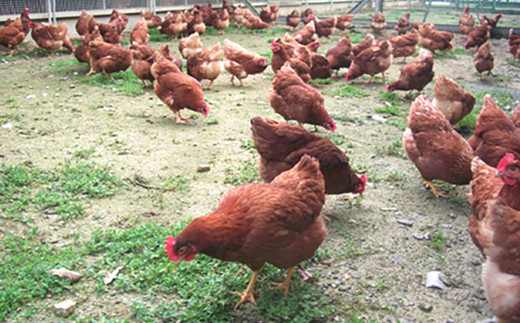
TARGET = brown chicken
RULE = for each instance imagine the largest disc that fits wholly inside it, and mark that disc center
(515, 117)
(252, 22)
(466, 21)
(293, 19)
(280, 56)
(152, 21)
(433, 39)
(325, 27)
(51, 37)
(320, 68)
(405, 45)
(492, 22)
(514, 44)
(295, 100)
(367, 42)
(82, 51)
(495, 134)
(414, 75)
(205, 65)
(344, 22)
(378, 22)
(220, 20)
(281, 145)
(174, 26)
(307, 34)
(403, 24)
(478, 36)
(118, 20)
(493, 226)
(140, 34)
(197, 25)
(83, 23)
(307, 15)
(178, 90)
(269, 14)
(108, 58)
(110, 33)
(142, 60)
(240, 62)
(14, 33)
(438, 151)
(339, 56)
(190, 45)
(278, 223)
(371, 61)
(454, 102)
(484, 60)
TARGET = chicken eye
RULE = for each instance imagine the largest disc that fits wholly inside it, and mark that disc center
(182, 250)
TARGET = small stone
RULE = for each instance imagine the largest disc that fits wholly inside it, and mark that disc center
(446, 226)
(475, 262)
(406, 223)
(72, 86)
(30, 96)
(433, 280)
(64, 309)
(397, 258)
(379, 118)
(425, 308)
(56, 94)
(159, 103)
(388, 209)
(344, 288)
(203, 168)
(78, 94)
(418, 236)
(7, 126)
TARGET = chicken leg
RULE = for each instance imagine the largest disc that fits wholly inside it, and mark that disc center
(91, 71)
(179, 118)
(249, 293)
(242, 83)
(434, 189)
(209, 86)
(286, 283)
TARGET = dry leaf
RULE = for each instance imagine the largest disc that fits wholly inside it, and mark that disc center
(71, 276)
(109, 277)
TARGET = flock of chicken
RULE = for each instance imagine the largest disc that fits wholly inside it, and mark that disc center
(288, 206)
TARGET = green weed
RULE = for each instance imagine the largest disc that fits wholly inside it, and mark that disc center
(393, 149)
(247, 172)
(392, 98)
(438, 240)
(356, 37)
(336, 138)
(349, 91)
(212, 121)
(391, 110)
(177, 183)
(24, 261)
(324, 81)
(84, 153)
(248, 145)
(124, 82)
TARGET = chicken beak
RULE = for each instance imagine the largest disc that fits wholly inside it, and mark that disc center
(177, 262)
(500, 173)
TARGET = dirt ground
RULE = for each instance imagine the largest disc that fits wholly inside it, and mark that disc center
(378, 265)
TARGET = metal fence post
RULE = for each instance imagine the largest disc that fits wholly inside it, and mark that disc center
(49, 19)
(54, 12)
(104, 4)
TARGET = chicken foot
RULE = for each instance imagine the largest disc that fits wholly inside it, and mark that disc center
(307, 276)
(179, 118)
(249, 293)
(286, 283)
(434, 189)
(209, 86)
(242, 83)
(91, 71)
(315, 83)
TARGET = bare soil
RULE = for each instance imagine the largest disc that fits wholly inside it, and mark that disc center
(377, 267)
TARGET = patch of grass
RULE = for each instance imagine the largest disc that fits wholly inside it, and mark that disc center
(324, 81)
(24, 278)
(212, 121)
(392, 98)
(461, 51)
(393, 149)
(177, 183)
(445, 54)
(268, 55)
(438, 241)
(391, 110)
(246, 172)
(356, 37)
(155, 36)
(513, 62)
(349, 91)
(468, 123)
(400, 124)
(199, 290)
(501, 97)
(84, 153)
(57, 190)
(336, 138)
(248, 145)
(124, 82)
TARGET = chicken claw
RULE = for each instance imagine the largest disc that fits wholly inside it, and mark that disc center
(249, 293)
(286, 283)
(307, 276)
(434, 189)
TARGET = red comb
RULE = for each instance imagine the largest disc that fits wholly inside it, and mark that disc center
(170, 243)
(506, 160)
